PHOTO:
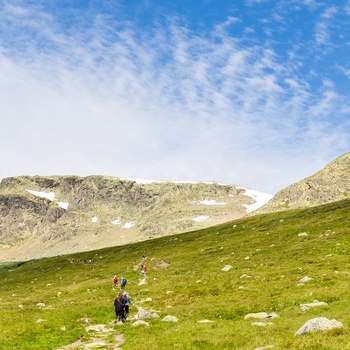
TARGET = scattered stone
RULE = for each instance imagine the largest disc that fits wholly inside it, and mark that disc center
(261, 315)
(318, 324)
(315, 303)
(245, 276)
(169, 292)
(63, 328)
(161, 265)
(302, 234)
(303, 280)
(142, 282)
(265, 347)
(148, 299)
(205, 321)
(40, 305)
(170, 318)
(227, 268)
(20, 306)
(143, 314)
(140, 323)
(40, 320)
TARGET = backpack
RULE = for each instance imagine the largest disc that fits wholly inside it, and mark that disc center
(124, 281)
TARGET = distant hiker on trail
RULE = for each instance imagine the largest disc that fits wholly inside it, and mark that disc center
(143, 257)
(115, 280)
(127, 303)
(119, 306)
(144, 270)
(123, 283)
(141, 268)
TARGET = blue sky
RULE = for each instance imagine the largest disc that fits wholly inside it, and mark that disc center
(253, 93)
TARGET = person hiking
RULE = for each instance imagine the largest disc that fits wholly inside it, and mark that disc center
(145, 270)
(127, 303)
(123, 283)
(119, 306)
(115, 280)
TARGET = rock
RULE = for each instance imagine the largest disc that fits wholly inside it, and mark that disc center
(315, 303)
(143, 314)
(140, 323)
(265, 347)
(40, 320)
(318, 324)
(142, 282)
(227, 268)
(170, 319)
(205, 321)
(40, 305)
(303, 280)
(302, 234)
(261, 315)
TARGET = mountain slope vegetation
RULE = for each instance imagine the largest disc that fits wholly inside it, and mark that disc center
(46, 216)
(268, 255)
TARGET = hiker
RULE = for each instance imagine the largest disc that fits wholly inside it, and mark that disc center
(119, 306)
(115, 280)
(145, 270)
(123, 283)
(127, 303)
(143, 257)
(141, 268)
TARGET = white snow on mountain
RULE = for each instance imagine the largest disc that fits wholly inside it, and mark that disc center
(260, 198)
(50, 196)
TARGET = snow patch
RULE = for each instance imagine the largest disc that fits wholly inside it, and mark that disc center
(48, 195)
(63, 205)
(260, 198)
(129, 224)
(116, 222)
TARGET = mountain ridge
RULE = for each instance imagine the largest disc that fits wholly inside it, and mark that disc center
(51, 215)
(330, 184)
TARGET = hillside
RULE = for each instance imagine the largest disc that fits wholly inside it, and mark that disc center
(48, 216)
(330, 184)
(215, 281)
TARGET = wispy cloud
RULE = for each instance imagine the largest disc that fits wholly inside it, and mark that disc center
(169, 103)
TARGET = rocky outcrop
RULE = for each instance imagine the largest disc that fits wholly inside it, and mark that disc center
(330, 184)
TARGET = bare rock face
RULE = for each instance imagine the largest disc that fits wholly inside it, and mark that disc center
(54, 215)
(330, 184)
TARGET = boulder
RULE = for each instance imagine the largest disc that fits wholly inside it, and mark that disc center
(170, 319)
(318, 324)
(260, 315)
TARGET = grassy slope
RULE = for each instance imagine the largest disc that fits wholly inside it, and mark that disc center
(278, 258)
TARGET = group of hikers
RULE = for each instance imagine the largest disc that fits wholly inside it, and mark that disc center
(123, 301)
(121, 306)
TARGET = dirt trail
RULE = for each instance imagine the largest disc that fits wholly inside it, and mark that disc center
(100, 336)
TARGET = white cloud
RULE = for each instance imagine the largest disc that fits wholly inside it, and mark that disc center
(166, 104)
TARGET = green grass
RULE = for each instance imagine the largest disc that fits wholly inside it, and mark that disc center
(267, 248)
